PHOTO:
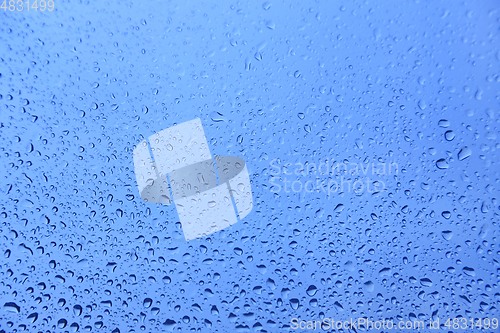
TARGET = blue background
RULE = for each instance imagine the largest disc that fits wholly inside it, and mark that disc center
(360, 82)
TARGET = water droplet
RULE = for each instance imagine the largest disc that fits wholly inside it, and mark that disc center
(464, 153)
(426, 282)
(338, 306)
(469, 271)
(217, 116)
(270, 24)
(349, 266)
(61, 323)
(294, 303)
(387, 271)
(422, 104)
(442, 164)
(147, 302)
(448, 234)
(444, 123)
(33, 317)
(77, 310)
(311, 291)
(369, 286)
(11, 307)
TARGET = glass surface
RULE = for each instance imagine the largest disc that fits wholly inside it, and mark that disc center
(349, 174)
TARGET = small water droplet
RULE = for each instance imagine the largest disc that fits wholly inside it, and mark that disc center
(294, 303)
(369, 286)
(426, 282)
(311, 291)
(147, 302)
(442, 164)
(449, 135)
(444, 123)
(217, 116)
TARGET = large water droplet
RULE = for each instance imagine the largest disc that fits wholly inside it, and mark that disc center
(442, 164)
(447, 234)
(464, 153)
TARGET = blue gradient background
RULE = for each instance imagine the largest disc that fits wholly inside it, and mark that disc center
(295, 82)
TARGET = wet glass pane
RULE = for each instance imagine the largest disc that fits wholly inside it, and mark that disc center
(249, 166)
